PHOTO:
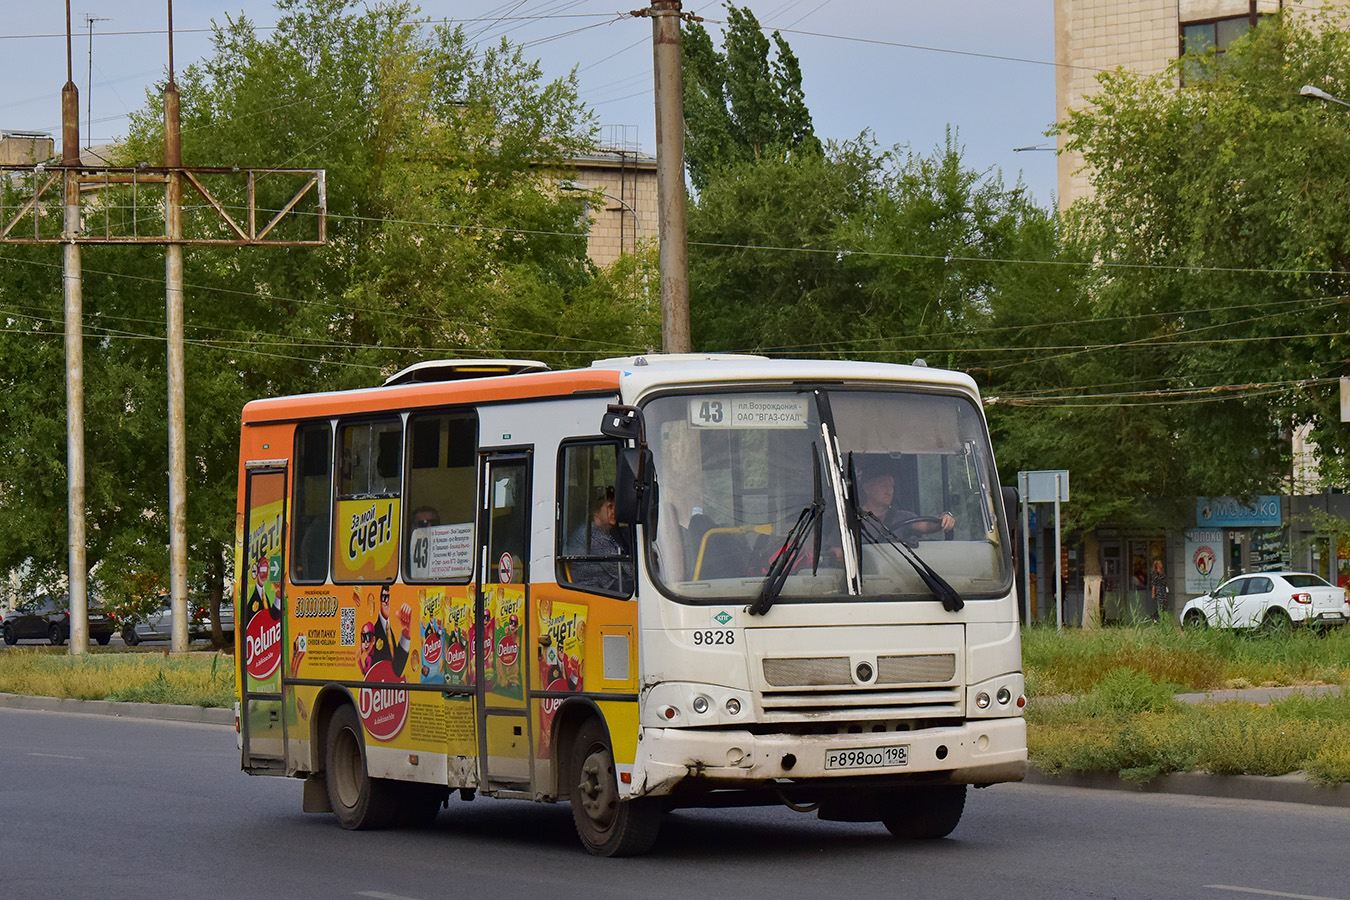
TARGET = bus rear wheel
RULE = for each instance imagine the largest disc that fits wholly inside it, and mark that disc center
(925, 813)
(607, 824)
(359, 801)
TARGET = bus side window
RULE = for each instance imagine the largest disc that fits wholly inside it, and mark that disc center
(593, 553)
(439, 506)
(368, 522)
(312, 511)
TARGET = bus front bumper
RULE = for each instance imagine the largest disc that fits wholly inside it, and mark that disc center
(980, 751)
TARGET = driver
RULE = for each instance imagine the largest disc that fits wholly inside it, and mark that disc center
(878, 495)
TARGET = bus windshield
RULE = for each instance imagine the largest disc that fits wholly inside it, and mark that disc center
(852, 492)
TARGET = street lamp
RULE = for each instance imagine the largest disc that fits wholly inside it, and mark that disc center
(1316, 93)
(581, 188)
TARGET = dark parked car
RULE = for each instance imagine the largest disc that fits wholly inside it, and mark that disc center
(48, 618)
(157, 624)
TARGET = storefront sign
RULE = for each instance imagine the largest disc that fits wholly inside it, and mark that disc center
(1228, 512)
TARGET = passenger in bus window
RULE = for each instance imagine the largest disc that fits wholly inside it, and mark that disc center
(597, 537)
(426, 517)
(878, 498)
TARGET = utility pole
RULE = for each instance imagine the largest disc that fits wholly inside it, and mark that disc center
(236, 225)
(89, 20)
(77, 579)
(173, 281)
(672, 233)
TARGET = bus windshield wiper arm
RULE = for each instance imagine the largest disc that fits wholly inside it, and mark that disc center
(783, 560)
(877, 530)
(808, 521)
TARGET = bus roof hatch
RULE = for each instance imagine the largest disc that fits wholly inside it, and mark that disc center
(461, 369)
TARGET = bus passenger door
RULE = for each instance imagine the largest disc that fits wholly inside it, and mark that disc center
(500, 623)
(262, 725)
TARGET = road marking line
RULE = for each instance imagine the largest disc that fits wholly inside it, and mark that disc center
(1247, 890)
(377, 895)
(54, 756)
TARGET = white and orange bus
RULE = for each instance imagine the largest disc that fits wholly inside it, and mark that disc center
(660, 582)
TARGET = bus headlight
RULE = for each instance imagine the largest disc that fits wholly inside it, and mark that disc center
(1003, 696)
(700, 704)
(982, 700)
(733, 706)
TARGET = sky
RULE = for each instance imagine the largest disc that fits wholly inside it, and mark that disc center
(903, 70)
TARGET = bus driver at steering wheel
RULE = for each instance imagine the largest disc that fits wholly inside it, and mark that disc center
(878, 495)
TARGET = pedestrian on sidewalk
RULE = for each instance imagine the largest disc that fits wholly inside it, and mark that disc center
(1157, 588)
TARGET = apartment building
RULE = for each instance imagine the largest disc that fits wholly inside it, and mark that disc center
(1092, 36)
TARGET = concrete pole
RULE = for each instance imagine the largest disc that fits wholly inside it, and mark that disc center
(173, 272)
(1022, 485)
(1059, 559)
(670, 194)
(77, 577)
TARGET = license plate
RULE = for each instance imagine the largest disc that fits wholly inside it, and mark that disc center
(867, 757)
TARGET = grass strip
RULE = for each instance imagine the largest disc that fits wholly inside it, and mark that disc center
(195, 679)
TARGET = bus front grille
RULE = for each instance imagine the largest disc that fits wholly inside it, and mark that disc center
(838, 671)
(932, 702)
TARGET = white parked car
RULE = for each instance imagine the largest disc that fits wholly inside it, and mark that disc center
(1269, 599)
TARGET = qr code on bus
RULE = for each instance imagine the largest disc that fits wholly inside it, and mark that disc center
(348, 626)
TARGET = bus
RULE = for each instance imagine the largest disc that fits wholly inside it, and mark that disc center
(664, 581)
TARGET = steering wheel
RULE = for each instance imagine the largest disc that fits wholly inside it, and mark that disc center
(925, 520)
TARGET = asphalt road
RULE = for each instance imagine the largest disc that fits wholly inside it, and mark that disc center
(94, 806)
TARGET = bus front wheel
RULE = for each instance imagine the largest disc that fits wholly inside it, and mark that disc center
(359, 801)
(607, 824)
(925, 813)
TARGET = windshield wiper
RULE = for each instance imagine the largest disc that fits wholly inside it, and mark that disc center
(877, 530)
(808, 521)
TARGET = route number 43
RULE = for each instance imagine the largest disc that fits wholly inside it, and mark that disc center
(710, 411)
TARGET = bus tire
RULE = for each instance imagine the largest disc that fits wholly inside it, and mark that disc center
(925, 813)
(359, 801)
(607, 824)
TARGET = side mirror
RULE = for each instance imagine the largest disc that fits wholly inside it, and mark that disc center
(1010, 500)
(633, 488)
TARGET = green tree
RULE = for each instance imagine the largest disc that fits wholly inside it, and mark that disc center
(1219, 229)
(766, 269)
(741, 105)
(446, 237)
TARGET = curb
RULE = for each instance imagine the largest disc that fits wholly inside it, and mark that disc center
(166, 712)
(1292, 788)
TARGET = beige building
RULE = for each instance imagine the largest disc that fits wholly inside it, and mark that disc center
(625, 181)
(24, 148)
(1092, 36)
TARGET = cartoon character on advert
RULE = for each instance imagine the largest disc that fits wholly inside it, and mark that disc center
(363, 655)
(387, 647)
